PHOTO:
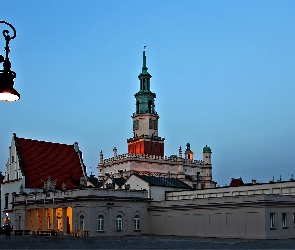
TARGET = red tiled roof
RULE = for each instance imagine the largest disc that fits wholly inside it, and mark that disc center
(40, 159)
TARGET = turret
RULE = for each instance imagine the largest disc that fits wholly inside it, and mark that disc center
(101, 166)
(189, 155)
(207, 155)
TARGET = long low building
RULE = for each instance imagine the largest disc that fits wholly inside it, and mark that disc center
(109, 212)
(278, 188)
(250, 217)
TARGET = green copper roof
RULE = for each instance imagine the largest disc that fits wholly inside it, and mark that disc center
(207, 149)
(188, 148)
(145, 98)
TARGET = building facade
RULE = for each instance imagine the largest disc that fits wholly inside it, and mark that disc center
(110, 212)
(82, 212)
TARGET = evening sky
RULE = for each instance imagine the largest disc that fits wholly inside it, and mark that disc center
(223, 72)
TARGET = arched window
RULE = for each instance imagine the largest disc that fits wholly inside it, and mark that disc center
(136, 223)
(100, 224)
(82, 222)
(119, 223)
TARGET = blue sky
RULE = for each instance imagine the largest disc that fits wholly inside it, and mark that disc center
(223, 72)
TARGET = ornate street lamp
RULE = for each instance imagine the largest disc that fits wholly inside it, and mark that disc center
(7, 92)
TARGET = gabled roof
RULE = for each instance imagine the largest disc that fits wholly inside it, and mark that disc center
(40, 159)
(164, 182)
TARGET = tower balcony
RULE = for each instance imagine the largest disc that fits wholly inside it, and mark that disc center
(154, 138)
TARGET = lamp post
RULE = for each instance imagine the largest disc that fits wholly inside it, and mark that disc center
(7, 92)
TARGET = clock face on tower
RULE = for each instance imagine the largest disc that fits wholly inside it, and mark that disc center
(135, 125)
(153, 124)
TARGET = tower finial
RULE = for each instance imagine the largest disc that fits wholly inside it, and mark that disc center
(144, 67)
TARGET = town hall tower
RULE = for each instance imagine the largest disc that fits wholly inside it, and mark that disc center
(145, 138)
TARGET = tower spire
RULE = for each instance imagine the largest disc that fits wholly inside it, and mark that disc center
(144, 67)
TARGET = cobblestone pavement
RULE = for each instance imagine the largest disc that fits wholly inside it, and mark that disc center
(139, 242)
